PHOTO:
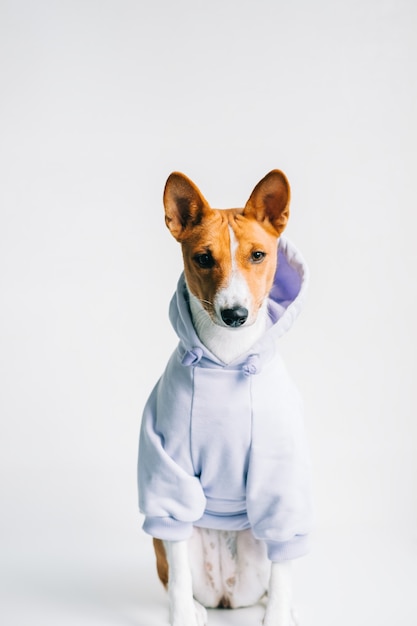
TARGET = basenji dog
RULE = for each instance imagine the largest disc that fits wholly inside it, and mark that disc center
(230, 260)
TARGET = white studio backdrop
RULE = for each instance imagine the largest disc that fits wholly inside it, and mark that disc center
(100, 101)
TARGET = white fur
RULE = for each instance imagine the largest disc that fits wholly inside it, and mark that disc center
(184, 610)
(224, 342)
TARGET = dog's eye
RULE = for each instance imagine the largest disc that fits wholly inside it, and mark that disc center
(258, 256)
(205, 260)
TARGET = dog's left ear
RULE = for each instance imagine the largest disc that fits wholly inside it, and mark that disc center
(270, 201)
(184, 205)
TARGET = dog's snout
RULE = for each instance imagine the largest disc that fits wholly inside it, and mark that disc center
(235, 317)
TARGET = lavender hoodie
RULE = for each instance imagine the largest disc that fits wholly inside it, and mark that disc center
(223, 446)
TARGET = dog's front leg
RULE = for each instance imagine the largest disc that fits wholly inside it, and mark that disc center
(278, 608)
(184, 611)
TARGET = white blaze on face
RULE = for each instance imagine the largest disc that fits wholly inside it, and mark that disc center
(236, 292)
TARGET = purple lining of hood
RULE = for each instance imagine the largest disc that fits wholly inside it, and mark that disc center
(287, 282)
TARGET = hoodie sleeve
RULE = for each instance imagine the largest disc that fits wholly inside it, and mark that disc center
(279, 501)
(170, 495)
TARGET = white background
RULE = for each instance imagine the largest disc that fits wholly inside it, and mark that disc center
(100, 101)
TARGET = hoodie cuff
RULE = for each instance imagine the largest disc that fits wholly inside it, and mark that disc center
(279, 551)
(167, 528)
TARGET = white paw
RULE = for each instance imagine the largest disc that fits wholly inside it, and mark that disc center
(189, 615)
(275, 617)
(280, 618)
(273, 620)
(201, 614)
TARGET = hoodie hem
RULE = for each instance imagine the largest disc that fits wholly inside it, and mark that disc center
(217, 521)
(279, 551)
(167, 528)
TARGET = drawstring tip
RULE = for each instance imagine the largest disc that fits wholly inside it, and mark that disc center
(192, 357)
(252, 365)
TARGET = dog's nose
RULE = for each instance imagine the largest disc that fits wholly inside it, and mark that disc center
(236, 316)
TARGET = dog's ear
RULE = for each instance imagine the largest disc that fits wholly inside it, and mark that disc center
(184, 205)
(270, 201)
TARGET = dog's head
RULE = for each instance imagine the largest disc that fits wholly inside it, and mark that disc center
(229, 255)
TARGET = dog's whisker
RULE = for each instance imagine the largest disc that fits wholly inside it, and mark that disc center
(207, 302)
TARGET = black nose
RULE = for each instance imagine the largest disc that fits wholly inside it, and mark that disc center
(235, 317)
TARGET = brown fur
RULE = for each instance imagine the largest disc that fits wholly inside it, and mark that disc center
(161, 561)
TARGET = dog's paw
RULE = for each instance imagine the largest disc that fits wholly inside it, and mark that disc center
(274, 620)
(279, 618)
(201, 614)
(192, 615)
(294, 617)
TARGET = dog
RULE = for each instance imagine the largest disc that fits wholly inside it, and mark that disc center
(224, 477)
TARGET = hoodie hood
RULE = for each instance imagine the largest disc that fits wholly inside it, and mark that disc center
(285, 302)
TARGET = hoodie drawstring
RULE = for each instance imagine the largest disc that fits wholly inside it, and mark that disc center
(192, 357)
(252, 365)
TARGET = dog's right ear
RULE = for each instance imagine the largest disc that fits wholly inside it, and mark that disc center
(184, 205)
